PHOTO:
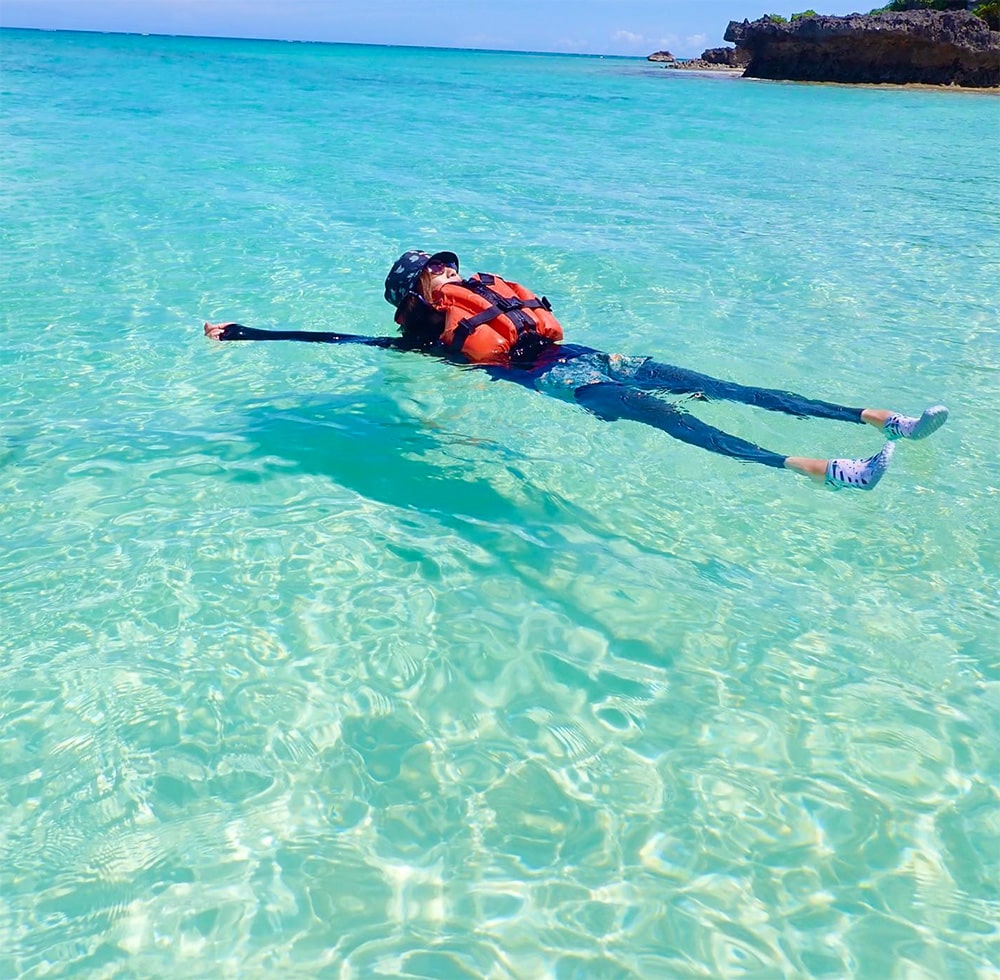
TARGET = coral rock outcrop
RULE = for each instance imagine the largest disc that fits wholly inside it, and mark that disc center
(916, 46)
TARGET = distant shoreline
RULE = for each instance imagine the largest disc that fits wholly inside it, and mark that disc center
(703, 67)
(875, 86)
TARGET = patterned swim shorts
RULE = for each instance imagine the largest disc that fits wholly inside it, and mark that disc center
(564, 377)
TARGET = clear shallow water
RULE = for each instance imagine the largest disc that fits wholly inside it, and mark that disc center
(333, 662)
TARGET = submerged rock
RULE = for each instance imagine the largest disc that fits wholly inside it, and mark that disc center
(916, 46)
(699, 64)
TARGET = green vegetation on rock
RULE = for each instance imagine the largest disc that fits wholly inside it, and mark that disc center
(990, 12)
(899, 5)
(778, 19)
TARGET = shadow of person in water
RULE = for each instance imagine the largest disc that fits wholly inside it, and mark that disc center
(379, 452)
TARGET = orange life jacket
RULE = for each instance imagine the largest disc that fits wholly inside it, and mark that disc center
(489, 319)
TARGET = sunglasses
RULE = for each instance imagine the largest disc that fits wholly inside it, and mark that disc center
(436, 267)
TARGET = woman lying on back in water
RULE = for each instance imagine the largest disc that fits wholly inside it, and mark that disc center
(510, 332)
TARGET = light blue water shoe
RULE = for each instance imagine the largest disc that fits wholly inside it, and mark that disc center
(907, 427)
(859, 474)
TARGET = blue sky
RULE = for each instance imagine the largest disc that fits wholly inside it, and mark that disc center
(624, 27)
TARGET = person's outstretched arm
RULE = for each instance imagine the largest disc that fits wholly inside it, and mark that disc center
(236, 331)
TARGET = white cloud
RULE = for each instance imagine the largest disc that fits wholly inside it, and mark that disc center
(572, 44)
(629, 37)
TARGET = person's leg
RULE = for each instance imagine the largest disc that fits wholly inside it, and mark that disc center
(653, 375)
(667, 377)
(612, 402)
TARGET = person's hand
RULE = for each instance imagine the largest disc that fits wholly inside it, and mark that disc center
(214, 330)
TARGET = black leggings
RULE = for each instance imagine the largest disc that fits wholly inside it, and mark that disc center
(627, 397)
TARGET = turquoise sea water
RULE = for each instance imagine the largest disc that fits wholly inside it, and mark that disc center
(322, 661)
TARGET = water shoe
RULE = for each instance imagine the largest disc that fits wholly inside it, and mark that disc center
(907, 427)
(859, 474)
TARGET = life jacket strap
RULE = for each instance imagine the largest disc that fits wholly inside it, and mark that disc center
(510, 306)
(486, 279)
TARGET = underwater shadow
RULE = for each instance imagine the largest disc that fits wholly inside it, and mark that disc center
(381, 453)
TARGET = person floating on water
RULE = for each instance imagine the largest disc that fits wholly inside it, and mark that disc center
(507, 330)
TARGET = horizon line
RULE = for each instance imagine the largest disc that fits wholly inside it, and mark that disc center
(356, 44)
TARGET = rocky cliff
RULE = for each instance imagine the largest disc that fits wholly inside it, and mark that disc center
(916, 46)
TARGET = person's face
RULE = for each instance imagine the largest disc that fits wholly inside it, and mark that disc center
(434, 276)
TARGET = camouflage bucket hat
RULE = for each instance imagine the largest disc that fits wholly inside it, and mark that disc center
(406, 271)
